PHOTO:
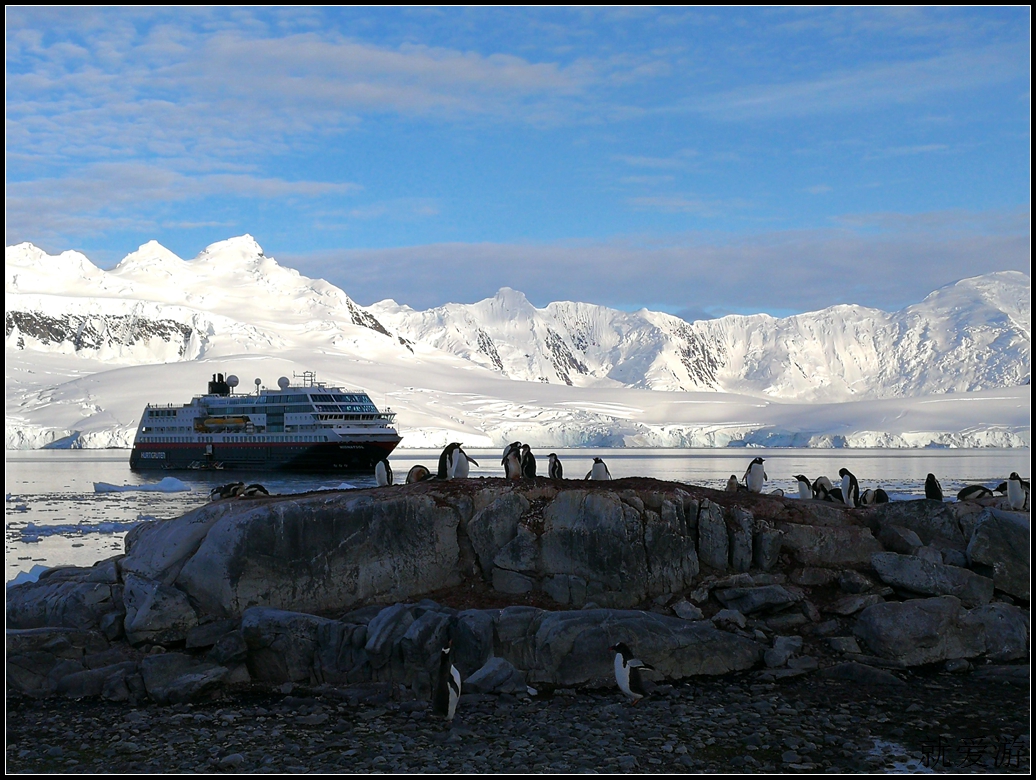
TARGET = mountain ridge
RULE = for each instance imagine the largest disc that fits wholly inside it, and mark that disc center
(971, 335)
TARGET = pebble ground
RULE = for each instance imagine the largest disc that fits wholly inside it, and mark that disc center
(938, 721)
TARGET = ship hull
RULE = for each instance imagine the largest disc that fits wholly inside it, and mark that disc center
(329, 457)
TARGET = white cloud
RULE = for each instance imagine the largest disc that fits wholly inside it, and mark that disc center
(886, 261)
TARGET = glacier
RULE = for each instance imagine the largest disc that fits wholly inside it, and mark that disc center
(86, 349)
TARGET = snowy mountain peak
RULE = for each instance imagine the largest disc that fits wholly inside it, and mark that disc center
(27, 268)
(243, 249)
(151, 257)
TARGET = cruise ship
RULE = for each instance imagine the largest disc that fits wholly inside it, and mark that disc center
(305, 426)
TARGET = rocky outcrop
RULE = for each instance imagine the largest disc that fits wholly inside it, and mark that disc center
(327, 588)
(923, 631)
(918, 575)
(999, 545)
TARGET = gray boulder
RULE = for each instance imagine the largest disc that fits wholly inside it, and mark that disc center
(845, 546)
(1000, 543)
(571, 648)
(934, 579)
(494, 526)
(281, 644)
(713, 539)
(321, 552)
(898, 538)
(750, 600)
(923, 631)
(173, 678)
(930, 520)
(38, 658)
(155, 612)
(497, 675)
(70, 598)
(740, 528)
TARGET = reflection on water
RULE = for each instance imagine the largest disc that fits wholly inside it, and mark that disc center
(53, 516)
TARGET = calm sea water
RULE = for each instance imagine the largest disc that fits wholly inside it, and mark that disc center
(54, 516)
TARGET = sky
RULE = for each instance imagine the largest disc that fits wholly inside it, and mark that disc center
(699, 161)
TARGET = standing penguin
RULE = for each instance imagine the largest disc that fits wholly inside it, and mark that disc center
(627, 672)
(512, 462)
(599, 470)
(554, 469)
(755, 476)
(447, 687)
(528, 462)
(457, 466)
(1017, 491)
(850, 487)
(444, 460)
(383, 473)
(932, 488)
(733, 485)
(805, 488)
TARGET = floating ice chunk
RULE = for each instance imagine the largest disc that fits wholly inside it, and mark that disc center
(32, 575)
(166, 485)
(33, 532)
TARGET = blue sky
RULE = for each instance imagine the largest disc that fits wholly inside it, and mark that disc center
(693, 160)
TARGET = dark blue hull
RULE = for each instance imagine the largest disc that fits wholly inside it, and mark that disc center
(351, 457)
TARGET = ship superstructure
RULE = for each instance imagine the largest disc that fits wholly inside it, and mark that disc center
(306, 426)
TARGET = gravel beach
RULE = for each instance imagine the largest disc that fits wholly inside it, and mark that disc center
(936, 721)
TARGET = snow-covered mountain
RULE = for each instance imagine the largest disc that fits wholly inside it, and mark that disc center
(87, 348)
(155, 307)
(973, 335)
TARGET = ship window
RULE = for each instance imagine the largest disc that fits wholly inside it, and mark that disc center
(322, 398)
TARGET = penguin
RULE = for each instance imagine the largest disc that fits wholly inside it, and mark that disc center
(1001, 488)
(599, 470)
(528, 462)
(850, 487)
(627, 672)
(821, 488)
(834, 495)
(513, 465)
(383, 473)
(932, 488)
(512, 461)
(779, 492)
(1017, 491)
(457, 468)
(417, 474)
(880, 496)
(444, 460)
(805, 488)
(253, 490)
(513, 446)
(229, 490)
(733, 485)
(755, 476)
(447, 687)
(554, 469)
(974, 492)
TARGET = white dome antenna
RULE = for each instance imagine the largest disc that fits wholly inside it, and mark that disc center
(258, 382)
(284, 383)
(232, 381)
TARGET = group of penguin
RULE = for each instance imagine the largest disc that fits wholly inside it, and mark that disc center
(849, 493)
(448, 685)
(518, 462)
(820, 489)
(237, 490)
